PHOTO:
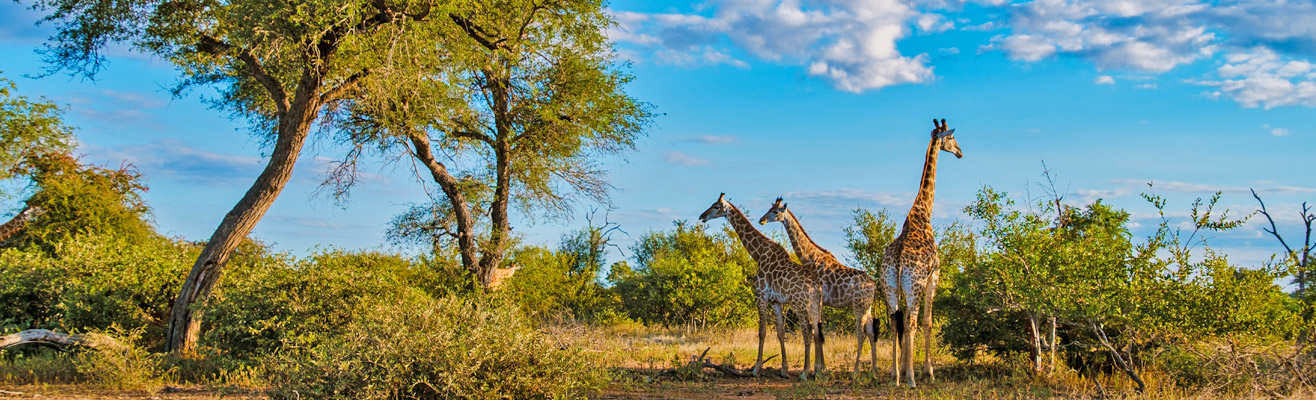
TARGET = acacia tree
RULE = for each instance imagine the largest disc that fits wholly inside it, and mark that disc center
(279, 64)
(525, 102)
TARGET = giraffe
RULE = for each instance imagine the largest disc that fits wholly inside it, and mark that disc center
(19, 221)
(501, 275)
(910, 267)
(779, 282)
(842, 286)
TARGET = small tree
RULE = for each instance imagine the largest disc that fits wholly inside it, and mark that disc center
(281, 65)
(518, 113)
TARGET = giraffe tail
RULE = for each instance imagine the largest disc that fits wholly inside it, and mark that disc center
(898, 323)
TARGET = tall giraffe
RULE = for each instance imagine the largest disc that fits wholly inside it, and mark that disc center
(910, 267)
(19, 222)
(842, 286)
(779, 281)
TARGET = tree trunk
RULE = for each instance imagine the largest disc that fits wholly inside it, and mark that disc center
(493, 255)
(1051, 346)
(294, 126)
(1119, 359)
(1035, 343)
(465, 225)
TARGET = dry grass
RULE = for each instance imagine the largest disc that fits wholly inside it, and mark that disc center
(639, 354)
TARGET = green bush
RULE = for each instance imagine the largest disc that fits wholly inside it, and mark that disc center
(687, 277)
(421, 348)
(93, 283)
(268, 300)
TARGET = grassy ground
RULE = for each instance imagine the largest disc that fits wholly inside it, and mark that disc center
(644, 360)
(647, 364)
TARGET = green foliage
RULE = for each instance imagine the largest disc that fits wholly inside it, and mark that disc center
(271, 299)
(868, 237)
(28, 127)
(1080, 265)
(687, 277)
(416, 347)
(81, 200)
(93, 283)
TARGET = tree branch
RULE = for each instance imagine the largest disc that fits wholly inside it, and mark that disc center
(1273, 230)
(348, 84)
(215, 46)
(486, 39)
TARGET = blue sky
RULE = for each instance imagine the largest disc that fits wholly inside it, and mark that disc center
(824, 102)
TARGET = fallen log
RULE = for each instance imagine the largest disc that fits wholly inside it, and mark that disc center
(702, 361)
(60, 341)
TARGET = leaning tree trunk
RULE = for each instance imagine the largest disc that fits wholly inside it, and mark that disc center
(293, 128)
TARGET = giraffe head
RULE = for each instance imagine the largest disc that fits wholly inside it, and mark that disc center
(946, 138)
(720, 209)
(776, 213)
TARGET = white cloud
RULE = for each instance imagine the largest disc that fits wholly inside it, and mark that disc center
(1104, 80)
(1262, 77)
(1279, 132)
(679, 158)
(851, 43)
(1139, 35)
(1145, 86)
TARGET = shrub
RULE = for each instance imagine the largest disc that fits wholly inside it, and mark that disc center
(121, 367)
(687, 277)
(271, 299)
(93, 283)
(422, 348)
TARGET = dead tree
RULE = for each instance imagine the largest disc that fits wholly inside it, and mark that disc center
(1301, 258)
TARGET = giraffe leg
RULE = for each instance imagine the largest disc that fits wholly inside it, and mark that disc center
(907, 344)
(862, 320)
(763, 333)
(781, 339)
(807, 330)
(872, 341)
(896, 321)
(927, 328)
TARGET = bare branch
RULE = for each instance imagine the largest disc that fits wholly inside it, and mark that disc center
(1273, 230)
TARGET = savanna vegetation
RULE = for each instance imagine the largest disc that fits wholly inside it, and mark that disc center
(1048, 298)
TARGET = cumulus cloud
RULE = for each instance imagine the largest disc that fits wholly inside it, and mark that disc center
(1262, 77)
(1264, 45)
(851, 43)
(1104, 80)
(1153, 36)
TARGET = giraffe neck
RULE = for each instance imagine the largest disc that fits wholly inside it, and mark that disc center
(920, 215)
(805, 247)
(18, 222)
(760, 247)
